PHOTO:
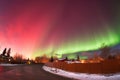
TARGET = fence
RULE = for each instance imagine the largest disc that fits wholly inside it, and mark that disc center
(107, 66)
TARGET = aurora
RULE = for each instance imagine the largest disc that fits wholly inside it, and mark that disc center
(36, 27)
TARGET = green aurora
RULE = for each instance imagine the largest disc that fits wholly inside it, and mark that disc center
(95, 26)
(110, 38)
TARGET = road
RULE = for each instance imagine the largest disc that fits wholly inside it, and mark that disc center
(27, 72)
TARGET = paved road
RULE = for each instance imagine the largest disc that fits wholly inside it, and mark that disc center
(27, 72)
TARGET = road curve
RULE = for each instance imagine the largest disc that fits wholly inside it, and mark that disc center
(27, 72)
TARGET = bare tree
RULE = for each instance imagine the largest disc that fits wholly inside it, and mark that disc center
(105, 51)
(18, 58)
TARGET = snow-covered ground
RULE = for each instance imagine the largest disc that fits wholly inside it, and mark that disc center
(8, 64)
(82, 76)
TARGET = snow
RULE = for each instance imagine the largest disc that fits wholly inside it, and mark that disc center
(8, 64)
(82, 76)
(70, 62)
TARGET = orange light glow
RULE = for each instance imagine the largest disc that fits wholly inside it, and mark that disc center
(82, 61)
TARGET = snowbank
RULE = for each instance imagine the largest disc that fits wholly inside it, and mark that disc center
(8, 64)
(82, 76)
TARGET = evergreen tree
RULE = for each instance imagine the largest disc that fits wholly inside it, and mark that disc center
(66, 58)
(4, 52)
(8, 53)
(51, 59)
(78, 58)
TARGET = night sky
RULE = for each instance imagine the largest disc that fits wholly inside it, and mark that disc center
(36, 27)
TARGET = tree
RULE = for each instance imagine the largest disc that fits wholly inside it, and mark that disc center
(18, 58)
(111, 57)
(8, 53)
(105, 51)
(51, 59)
(66, 58)
(78, 58)
(4, 52)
